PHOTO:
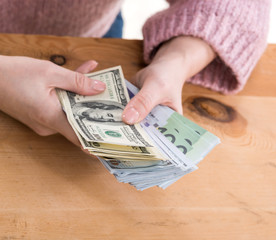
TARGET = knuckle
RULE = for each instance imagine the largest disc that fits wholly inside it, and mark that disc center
(79, 80)
(49, 68)
(164, 86)
(40, 118)
(145, 100)
(43, 132)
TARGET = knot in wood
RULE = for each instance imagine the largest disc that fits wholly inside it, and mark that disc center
(212, 109)
(58, 59)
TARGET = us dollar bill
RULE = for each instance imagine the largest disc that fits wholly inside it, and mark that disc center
(98, 118)
(120, 150)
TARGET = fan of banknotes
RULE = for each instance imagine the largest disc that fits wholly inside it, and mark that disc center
(156, 152)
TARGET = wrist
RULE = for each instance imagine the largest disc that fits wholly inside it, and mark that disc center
(191, 54)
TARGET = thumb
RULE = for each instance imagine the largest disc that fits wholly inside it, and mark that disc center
(77, 82)
(87, 67)
(140, 105)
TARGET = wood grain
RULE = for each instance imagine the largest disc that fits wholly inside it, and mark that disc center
(49, 189)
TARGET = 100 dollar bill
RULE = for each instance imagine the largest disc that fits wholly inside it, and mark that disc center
(98, 118)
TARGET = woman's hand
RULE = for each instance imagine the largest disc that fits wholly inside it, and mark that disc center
(162, 80)
(28, 92)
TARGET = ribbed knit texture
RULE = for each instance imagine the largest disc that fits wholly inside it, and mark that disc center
(236, 30)
(85, 18)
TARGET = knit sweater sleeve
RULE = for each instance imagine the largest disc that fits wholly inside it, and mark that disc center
(235, 29)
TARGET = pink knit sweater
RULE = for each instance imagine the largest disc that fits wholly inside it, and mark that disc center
(236, 29)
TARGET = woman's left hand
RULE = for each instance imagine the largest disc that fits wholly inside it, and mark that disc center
(161, 81)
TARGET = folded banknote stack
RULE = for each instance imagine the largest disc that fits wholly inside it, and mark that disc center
(156, 152)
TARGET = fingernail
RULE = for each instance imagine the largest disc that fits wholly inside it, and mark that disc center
(131, 116)
(94, 64)
(98, 85)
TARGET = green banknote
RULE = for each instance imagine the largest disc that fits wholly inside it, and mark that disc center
(189, 138)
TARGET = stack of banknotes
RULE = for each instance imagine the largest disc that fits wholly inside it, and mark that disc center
(156, 152)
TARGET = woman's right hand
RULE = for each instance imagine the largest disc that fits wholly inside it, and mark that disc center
(28, 92)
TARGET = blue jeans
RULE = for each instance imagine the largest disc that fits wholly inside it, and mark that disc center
(116, 29)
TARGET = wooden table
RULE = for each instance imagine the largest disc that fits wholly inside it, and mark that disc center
(50, 189)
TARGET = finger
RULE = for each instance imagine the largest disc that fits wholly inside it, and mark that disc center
(87, 67)
(59, 122)
(42, 130)
(77, 82)
(63, 127)
(141, 104)
(86, 151)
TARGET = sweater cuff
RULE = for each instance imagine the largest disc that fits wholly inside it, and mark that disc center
(236, 30)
